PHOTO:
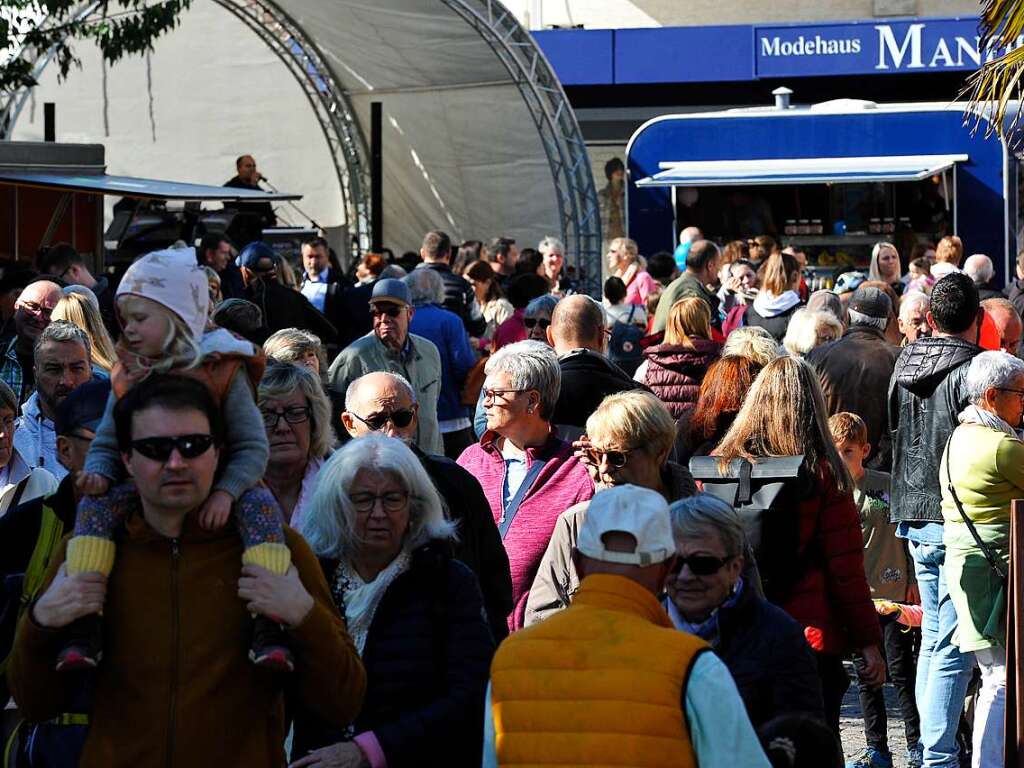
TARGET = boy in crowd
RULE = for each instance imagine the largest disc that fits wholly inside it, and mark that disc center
(891, 578)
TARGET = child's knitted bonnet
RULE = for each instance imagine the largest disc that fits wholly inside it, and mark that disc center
(173, 279)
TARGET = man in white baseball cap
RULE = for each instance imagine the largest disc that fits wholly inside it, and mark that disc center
(660, 690)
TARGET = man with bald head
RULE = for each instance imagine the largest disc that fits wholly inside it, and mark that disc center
(578, 334)
(386, 403)
(1007, 322)
(32, 312)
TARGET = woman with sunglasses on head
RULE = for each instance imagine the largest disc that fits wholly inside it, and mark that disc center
(707, 595)
(628, 440)
(816, 573)
(529, 475)
(297, 417)
(414, 613)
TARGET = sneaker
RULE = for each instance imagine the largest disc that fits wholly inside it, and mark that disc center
(870, 757)
(915, 757)
(270, 646)
(84, 647)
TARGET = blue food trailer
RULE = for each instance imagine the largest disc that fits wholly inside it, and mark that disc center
(833, 178)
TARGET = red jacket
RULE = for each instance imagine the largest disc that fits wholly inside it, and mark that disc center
(832, 600)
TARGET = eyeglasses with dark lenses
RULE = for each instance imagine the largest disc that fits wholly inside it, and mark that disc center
(700, 565)
(160, 448)
(615, 459)
(391, 310)
(530, 322)
(293, 415)
(376, 422)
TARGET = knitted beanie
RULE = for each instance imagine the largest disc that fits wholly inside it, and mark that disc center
(173, 279)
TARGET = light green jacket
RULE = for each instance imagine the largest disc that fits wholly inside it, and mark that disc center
(987, 469)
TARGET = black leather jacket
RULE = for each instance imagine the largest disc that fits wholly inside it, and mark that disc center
(927, 392)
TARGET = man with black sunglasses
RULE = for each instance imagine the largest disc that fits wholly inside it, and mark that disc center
(390, 347)
(175, 684)
(385, 402)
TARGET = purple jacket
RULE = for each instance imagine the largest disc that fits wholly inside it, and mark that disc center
(563, 482)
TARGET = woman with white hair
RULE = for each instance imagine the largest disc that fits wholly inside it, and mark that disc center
(625, 263)
(982, 471)
(707, 595)
(297, 418)
(809, 329)
(552, 254)
(414, 613)
(529, 475)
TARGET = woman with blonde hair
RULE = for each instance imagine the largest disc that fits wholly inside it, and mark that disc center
(776, 301)
(295, 345)
(885, 266)
(625, 263)
(809, 329)
(76, 308)
(815, 568)
(675, 368)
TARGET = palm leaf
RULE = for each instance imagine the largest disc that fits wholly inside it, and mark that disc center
(990, 90)
(1002, 22)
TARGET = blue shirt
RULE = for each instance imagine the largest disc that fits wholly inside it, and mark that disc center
(720, 730)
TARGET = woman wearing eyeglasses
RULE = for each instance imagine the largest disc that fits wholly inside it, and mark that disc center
(297, 417)
(529, 475)
(415, 614)
(762, 646)
(981, 473)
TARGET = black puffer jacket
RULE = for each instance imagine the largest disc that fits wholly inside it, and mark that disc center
(427, 658)
(769, 658)
(674, 372)
(926, 394)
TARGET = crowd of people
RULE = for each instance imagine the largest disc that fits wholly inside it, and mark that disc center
(454, 511)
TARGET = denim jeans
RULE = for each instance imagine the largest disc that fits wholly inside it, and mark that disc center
(991, 709)
(943, 672)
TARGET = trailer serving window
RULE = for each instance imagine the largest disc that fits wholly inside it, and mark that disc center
(833, 208)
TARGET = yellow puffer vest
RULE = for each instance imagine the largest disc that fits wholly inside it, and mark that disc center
(600, 683)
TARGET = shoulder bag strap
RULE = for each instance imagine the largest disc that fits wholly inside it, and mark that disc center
(629, 318)
(513, 505)
(992, 561)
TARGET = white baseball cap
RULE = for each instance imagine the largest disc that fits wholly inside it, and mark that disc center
(640, 512)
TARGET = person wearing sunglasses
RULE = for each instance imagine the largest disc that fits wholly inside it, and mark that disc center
(391, 347)
(176, 611)
(529, 475)
(297, 417)
(32, 311)
(627, 442)
(707, 595)
(385, 403)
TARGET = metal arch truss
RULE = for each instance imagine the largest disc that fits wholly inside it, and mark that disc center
(289, 42)
(556, 122)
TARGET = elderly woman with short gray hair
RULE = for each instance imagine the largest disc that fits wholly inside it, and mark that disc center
(414, 613)
(297, 418)
(707, 595)
(529, 475)
(295, 345)
(982, 471)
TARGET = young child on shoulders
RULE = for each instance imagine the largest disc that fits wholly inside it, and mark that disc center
(889, 573)
(163, 306)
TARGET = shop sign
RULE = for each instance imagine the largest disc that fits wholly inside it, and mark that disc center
(916, 45)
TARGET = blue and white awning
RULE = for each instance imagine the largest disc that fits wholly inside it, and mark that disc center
(804, 170)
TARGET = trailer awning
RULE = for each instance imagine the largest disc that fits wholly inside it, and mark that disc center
(147, 189)
(804, 170)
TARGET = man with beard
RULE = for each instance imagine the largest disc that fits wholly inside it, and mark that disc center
(63, 361)
(31, 315)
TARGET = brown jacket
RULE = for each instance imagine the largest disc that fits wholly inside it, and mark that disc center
(176, 687)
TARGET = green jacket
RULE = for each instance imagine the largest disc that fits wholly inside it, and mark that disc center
(419, 362)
